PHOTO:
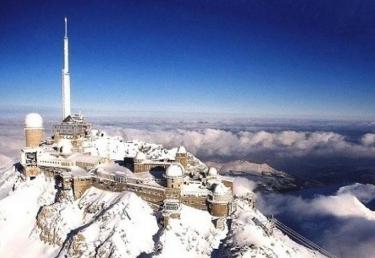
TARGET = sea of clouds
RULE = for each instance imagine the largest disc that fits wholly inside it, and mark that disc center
(208, 143)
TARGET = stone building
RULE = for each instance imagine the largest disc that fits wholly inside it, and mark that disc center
(220, 200)
(171, 210)
(140, 164)
(73, 128)
(74, 160)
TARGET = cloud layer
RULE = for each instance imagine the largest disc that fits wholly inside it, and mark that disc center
(208, 143)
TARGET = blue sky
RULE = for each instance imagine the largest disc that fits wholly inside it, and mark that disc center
(309, 59)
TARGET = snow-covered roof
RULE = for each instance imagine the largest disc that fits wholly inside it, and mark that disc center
(113, 169)
(212, 172)
(181, 150)
(140, 156)
(78, 157)
(79, 172)
(33, 120)
(175, 170)
(194, 189)
(65, 146)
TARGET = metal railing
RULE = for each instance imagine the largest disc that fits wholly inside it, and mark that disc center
(299, 238)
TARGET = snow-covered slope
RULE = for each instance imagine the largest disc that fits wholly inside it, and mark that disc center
(18, 210)
(193, 235)
(7, 175)
(252, 235)
(111, 225)
(47, 222)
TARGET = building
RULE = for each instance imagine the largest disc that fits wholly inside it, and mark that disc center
(78, 157)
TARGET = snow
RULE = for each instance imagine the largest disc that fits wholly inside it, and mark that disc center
(252, 235)
(7, 175)
(181, 150)
(77, 171)
(120, 224)
(17, 220)
(220, 189)
(114, 169)
(65, 146)
(212, 172)
(194, 235)
(78, 157)
(175, 170)
(265, 177)
(194, 189)
(33, 120)
(140, 156)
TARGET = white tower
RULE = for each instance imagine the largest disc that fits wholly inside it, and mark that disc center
(66, 75)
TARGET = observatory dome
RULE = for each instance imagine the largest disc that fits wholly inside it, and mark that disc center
(220, 189)
(212, 172)
(175, 170)
(33, 120)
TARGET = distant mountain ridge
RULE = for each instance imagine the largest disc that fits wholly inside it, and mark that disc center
(266, 177)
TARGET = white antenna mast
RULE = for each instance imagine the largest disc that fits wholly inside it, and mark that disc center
(66, 75)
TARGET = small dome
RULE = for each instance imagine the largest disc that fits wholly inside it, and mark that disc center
(140, 156)
(175, 170)
(220, 189)
(33, 120)
(181, 150)
(212, 172)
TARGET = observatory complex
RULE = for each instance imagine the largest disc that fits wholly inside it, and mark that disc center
(78, 157)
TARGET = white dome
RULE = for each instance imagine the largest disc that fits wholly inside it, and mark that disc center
(33, 120)
(212, 172)
(181, 150)
(175, 170)
(140, 156)
(220, 189)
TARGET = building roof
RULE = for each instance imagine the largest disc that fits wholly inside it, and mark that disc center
(196, 189)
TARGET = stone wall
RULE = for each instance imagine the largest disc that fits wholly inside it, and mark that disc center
(219, 209)
(80, 185)
(198, 202)
(146, 167)
(182, 159)
(151, 194)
